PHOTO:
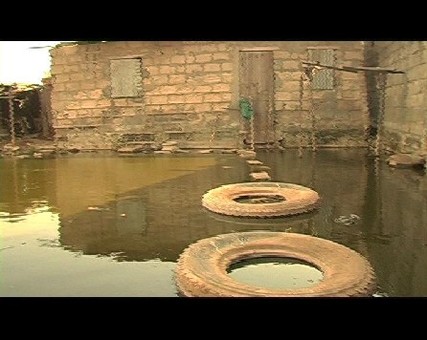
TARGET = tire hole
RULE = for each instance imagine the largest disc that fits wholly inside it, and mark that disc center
(259, 199)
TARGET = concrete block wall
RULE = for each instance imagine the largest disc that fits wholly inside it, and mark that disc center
(404, 127)
(190, 92)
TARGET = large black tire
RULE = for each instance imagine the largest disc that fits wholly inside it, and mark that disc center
(202, 267)
(297, 199)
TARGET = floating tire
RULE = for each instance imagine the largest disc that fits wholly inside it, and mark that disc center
(202, 267)
(296, 199)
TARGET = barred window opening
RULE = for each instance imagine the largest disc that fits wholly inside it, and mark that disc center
(322, 79)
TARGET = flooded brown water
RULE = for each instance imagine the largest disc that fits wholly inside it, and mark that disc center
(103, 225)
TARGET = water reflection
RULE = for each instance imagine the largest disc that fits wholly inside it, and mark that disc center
(100, 212)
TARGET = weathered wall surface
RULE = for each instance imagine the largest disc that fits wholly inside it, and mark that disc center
(190, 93)
(404, 123)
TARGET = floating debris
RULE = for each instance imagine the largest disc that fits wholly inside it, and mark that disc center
(380, 294)
(97, 209)
(347, 220)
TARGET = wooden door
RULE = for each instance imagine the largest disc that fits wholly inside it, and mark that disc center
(257, 84)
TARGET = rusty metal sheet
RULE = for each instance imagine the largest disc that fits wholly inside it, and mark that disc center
(126, 78)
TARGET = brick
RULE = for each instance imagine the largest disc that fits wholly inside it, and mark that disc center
(185, 89)
(212, 78)
(353, 55)
(222, 47)
(59, 87)
(153, 70)
(291, 65)
(77, 76)
(81, 95)
(180, 69)
(190, 58)
(128, 112)
(72, 86)
(289, 75)
(162, 79)
(226, 67)
(220, 56)
(177, 79)
(219, 106)
(95, 94)
(157, 100)
(203, 88)
(61, 78)
(189, 107)
(205, 107)
(213, 97)
(120, 102)
(175, 99)
(348, 94)
(291, 104)
(282, 55)
(203, 58)
(212, 67)
(57, 69)
(68, 50)
(226, 96)
(166, 89)
(170, 108)
(177, 59)
(220, 88)
(103, 103)
(226, 78)
(194, 98)
(209, 48)
(87, 85)
(194, 68)
(88, 104)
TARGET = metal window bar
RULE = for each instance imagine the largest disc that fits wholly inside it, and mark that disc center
(322, 79)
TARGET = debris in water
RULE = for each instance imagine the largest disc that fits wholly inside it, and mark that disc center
(96, 209)
(379, 294)
(347, 220)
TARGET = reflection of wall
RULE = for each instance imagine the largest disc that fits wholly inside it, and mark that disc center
(174, 217)
(25, 181)
(89, 231)
(166, 218)
(399, 240)
(338, 176)
(104, 178)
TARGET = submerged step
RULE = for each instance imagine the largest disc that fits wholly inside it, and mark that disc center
(260, 176)
(254, 162)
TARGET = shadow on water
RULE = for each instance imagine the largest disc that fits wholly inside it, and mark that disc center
(134, 216)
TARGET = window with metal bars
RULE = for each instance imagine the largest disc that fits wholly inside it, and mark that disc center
(322, 79)
(126, 77)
